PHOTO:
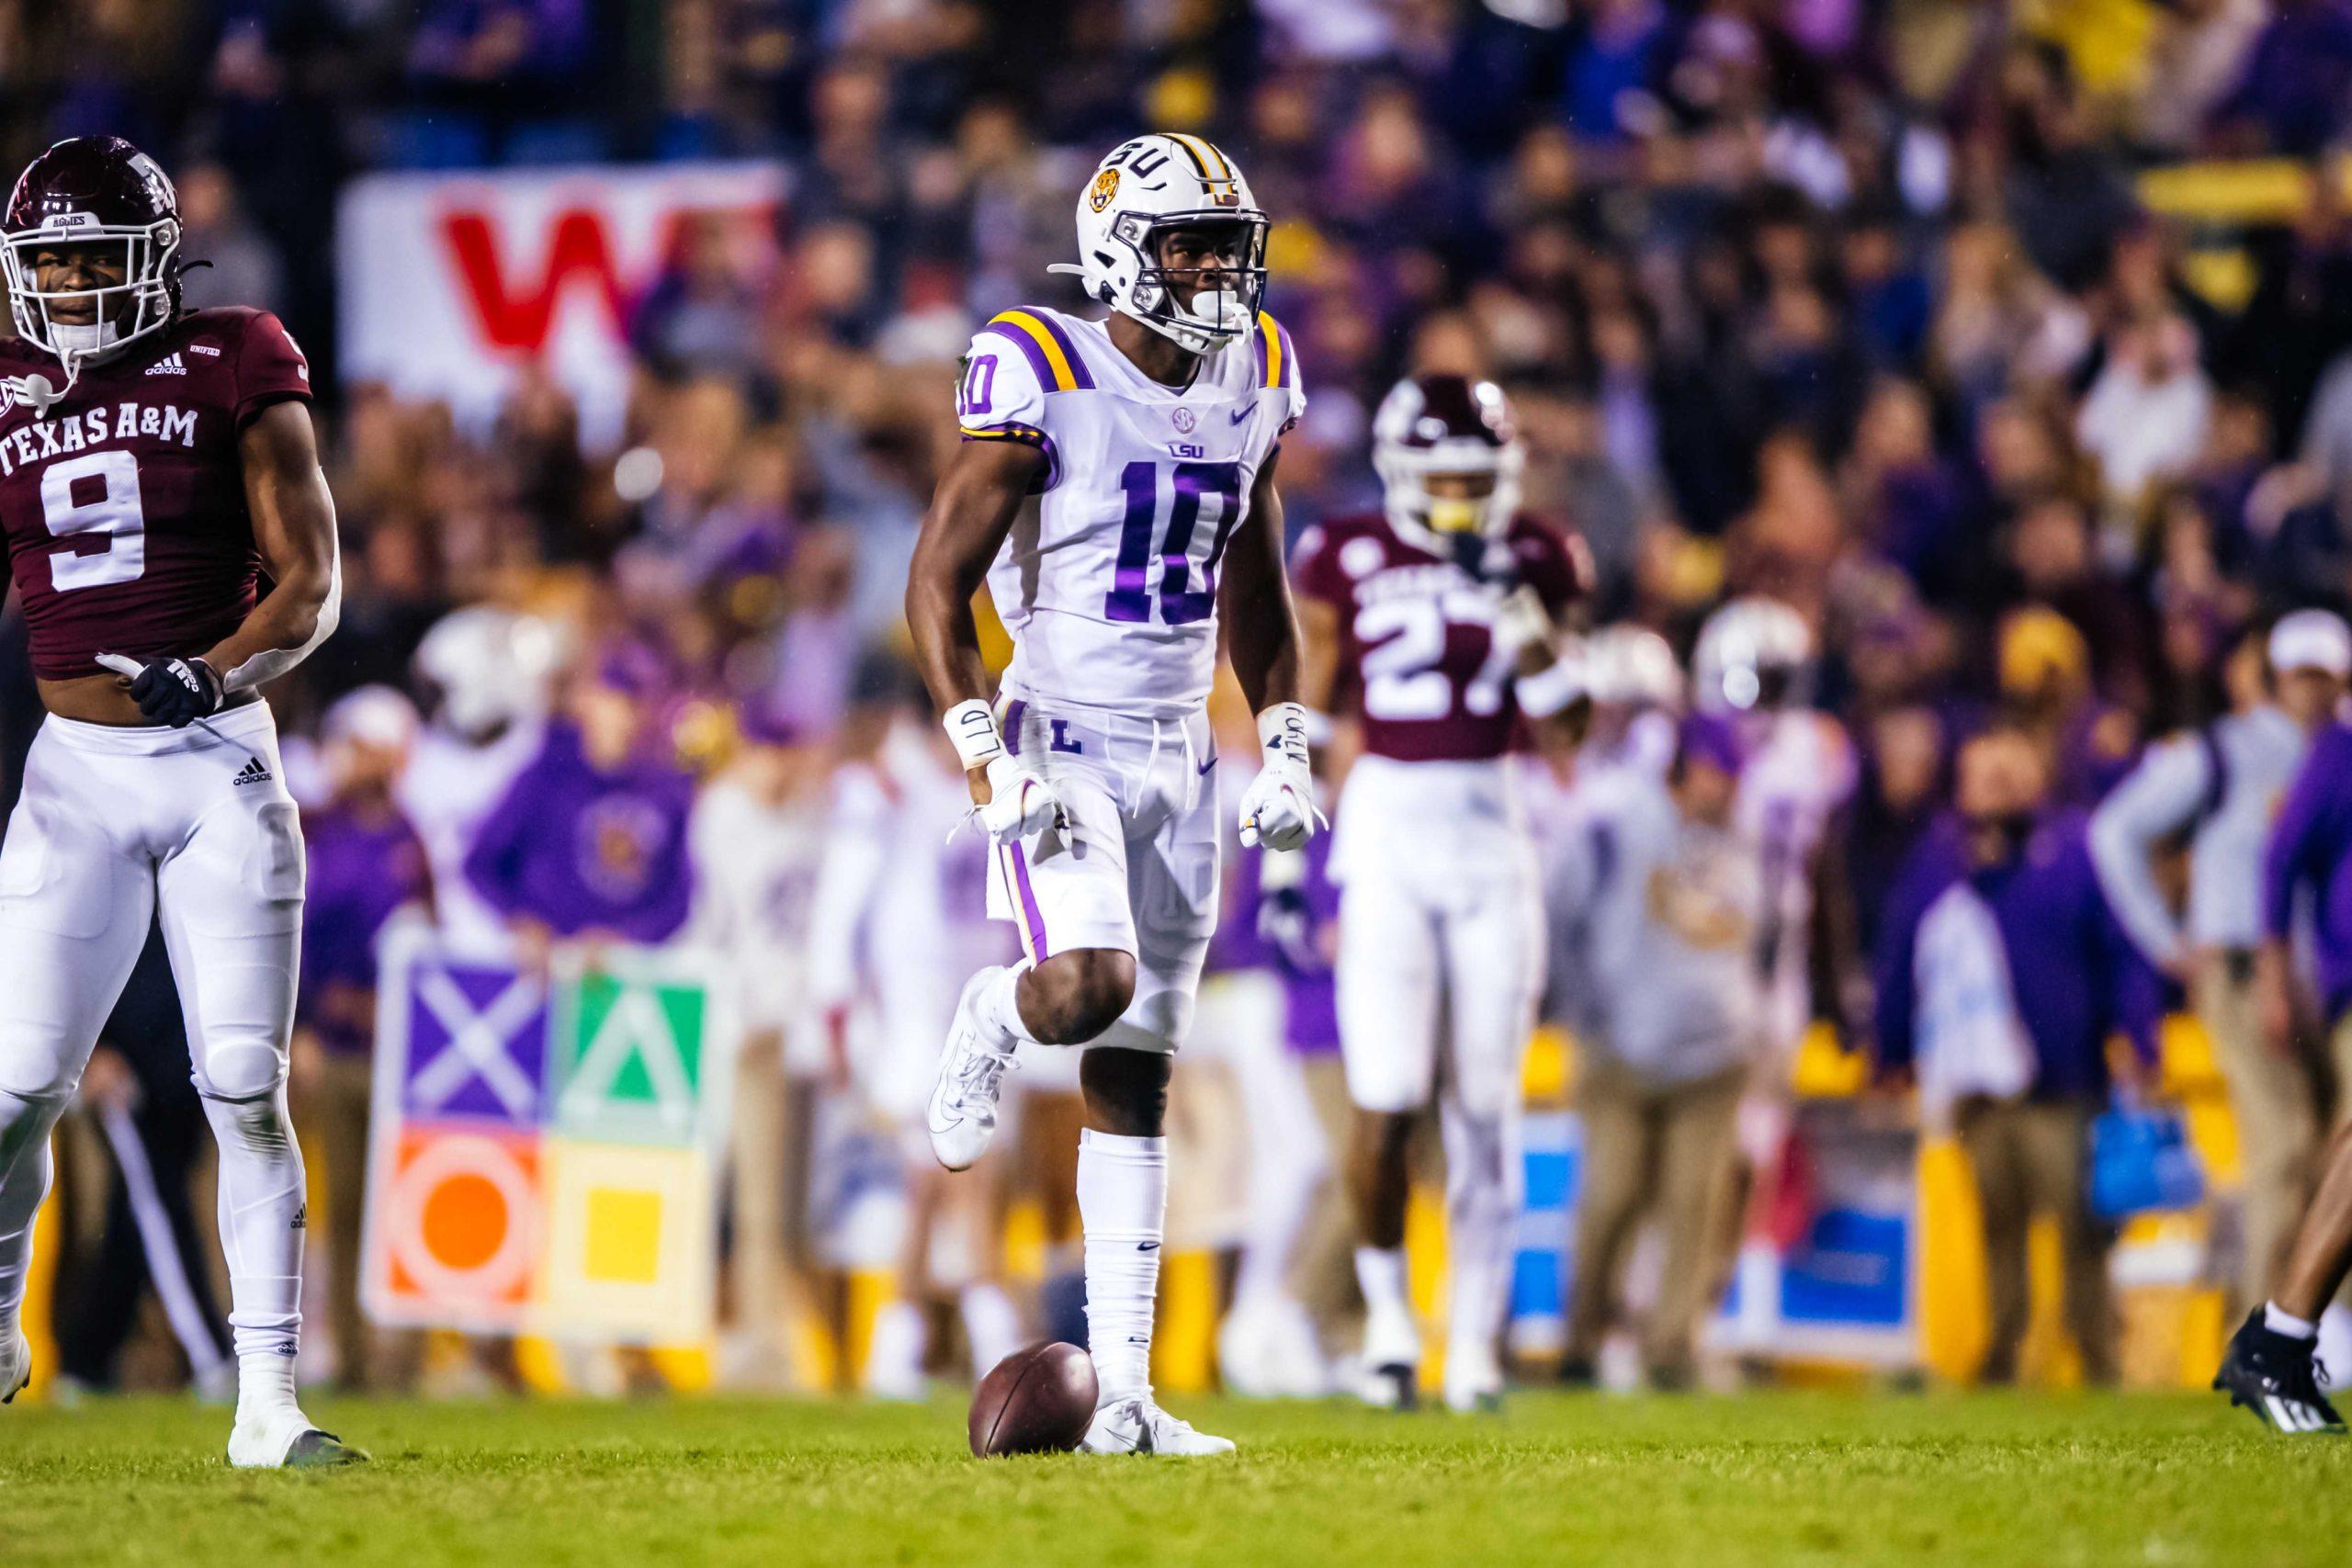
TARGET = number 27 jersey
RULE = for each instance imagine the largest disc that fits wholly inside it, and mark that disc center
(1108, 581)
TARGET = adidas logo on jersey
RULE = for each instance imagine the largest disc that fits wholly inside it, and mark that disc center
(251, 772)
(170, 364)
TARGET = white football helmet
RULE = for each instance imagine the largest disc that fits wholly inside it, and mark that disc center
(1754, 655)
(1633, 666)
(492, 668)
(1145, 188)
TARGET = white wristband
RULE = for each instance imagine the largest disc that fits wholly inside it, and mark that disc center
(972, 729)
(1281, 734)
(1554, 687)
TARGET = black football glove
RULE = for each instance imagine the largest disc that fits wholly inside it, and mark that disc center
(176, 692)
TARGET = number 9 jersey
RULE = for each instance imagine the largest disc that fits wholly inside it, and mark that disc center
(124, 501)
(1108, 584)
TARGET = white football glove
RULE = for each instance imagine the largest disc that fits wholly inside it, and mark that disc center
(1019, 804)
(1278, 808)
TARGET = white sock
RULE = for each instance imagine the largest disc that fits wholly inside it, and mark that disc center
(262, 1214)
(1123, 1205)
(1380, 1274)
(1000, 1009)
(25, 1170)
(2287, 1323)
(1482, 1204)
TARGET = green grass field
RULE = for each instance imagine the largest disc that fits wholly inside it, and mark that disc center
(1782, 1478)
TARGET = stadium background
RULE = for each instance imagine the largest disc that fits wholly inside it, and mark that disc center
(2001, 339)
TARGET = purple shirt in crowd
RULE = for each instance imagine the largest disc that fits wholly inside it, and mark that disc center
(363, 867)
(2311, 847)
(585, 849)
(2075, 976)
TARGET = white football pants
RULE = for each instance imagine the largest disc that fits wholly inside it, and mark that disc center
(115, 827)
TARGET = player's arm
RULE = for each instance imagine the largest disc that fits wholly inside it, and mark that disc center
(293, 520)
(293, 524)
(970, 514)
(2154, 803)
(1262, 640)
(1548, 674)
(1318, 653)
(1261, 622)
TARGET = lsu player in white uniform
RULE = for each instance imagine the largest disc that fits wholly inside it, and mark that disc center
(1753, 665)
(1116, 491)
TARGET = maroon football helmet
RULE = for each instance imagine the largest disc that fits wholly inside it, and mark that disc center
(93, 192)
(1453, 426)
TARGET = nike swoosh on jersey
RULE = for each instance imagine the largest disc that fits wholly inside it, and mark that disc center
(1244, 412)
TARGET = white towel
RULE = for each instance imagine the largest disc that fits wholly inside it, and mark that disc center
(1970, 1039)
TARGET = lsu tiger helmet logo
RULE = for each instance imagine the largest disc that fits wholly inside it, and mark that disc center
(1106, 186)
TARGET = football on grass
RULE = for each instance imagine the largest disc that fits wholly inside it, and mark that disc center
(1037, 1401)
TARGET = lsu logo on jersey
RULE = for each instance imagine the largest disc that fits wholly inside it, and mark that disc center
(1106, 186)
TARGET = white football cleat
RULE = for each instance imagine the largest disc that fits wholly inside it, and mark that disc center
(283, 1438)
(1473, 1381)
(16, 1365)
(1140, 1426)
(962, 1118)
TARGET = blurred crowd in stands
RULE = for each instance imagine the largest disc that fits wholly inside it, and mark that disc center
(1854, 303)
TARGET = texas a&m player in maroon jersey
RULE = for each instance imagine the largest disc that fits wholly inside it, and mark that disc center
(173, 542)
(1440, 620)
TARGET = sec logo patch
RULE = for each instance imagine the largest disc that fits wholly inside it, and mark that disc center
(1106, 186)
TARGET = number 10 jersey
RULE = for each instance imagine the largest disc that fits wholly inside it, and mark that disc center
(1108, 582)
(125, 502)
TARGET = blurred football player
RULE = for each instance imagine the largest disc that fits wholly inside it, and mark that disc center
(757, 838)
(901, 912)
(366, 869)
(157, 468)
(1148, 441)
(1638, 695)
(1753, 667)
(488, 674)
(1440, 617)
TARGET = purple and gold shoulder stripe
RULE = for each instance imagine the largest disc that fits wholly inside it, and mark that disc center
(1277, 366)
(1026, 435)
(1050, 351)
